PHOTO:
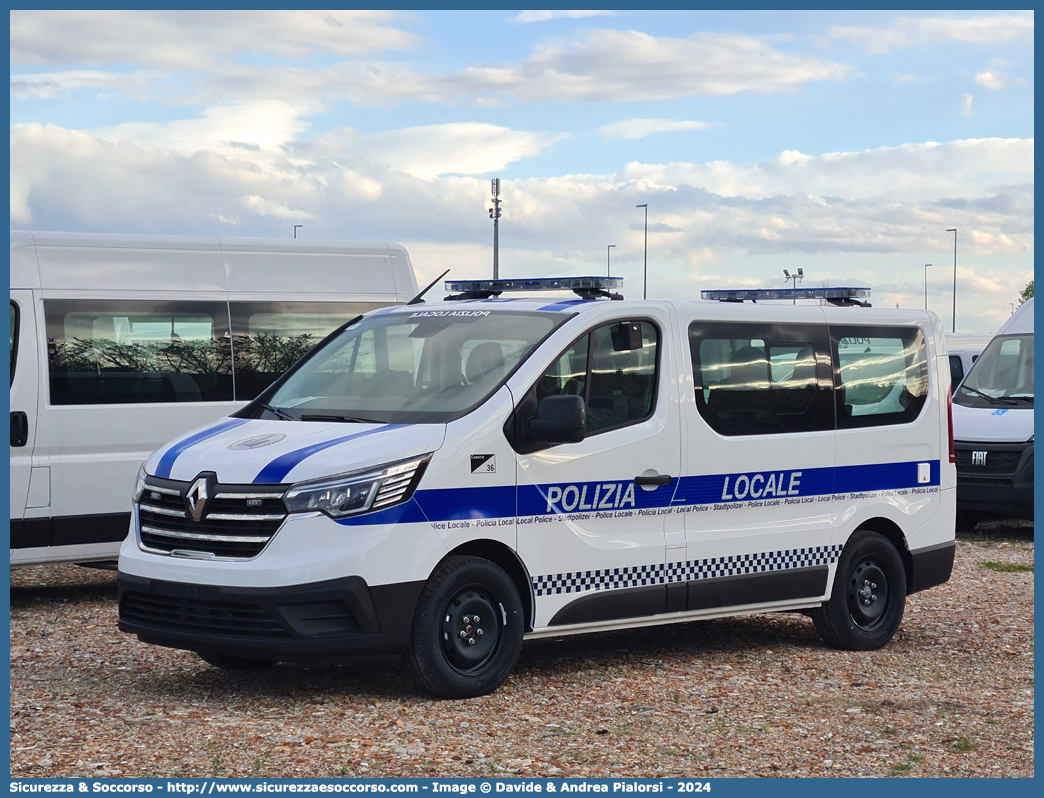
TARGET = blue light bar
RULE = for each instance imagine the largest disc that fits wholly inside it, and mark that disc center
(742, 294)
(535, 284)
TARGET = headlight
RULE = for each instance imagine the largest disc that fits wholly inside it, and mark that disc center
(358, 492)
(139, 484)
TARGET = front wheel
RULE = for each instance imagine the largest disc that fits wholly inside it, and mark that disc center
(869, 595)
(467, 630)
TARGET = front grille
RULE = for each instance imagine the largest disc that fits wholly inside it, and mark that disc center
(237, 522)
(223, 618)
(997, 462)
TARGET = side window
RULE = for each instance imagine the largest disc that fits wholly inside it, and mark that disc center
(881, 375)
(617, 382)
(956, 371)
(123, 352)
(269, 337)
(14, 338)
(754, 379)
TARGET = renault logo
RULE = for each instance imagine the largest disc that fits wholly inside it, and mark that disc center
(196, 498)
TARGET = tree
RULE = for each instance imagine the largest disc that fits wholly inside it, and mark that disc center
(1026, 293)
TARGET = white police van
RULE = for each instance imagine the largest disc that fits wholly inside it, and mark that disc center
(443, 481)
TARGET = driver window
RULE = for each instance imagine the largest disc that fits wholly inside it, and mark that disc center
(618, 385)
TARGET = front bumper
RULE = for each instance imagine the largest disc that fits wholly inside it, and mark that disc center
(322, 621)
(1002, 490)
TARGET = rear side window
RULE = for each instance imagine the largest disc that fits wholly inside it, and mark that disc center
(269, 337)
(880, 373)
(123, 352)
(755, 379)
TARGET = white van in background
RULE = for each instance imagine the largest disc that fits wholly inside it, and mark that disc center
(964, 350)
(993, 427)
(121, 342)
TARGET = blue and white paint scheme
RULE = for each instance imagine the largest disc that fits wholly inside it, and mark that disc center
(662, 499)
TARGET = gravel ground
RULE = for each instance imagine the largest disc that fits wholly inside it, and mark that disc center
(952, 695)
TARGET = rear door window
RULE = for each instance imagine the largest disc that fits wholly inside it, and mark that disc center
(881, 375)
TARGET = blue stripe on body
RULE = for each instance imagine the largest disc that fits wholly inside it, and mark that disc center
(445, 504)
(452, 504)
(277, 470)
(166, 462)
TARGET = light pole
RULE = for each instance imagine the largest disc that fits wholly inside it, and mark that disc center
(954, 231)
(926, 284)
(799, 275)
(607, 272)
(645, 257)
(295, 230)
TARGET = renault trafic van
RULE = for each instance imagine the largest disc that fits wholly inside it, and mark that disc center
(993, 427)
(121, 342)
(442, 481)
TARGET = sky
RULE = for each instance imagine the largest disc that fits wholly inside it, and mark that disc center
(843, 143)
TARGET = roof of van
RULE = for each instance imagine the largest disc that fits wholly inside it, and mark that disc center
(21, 238)
(1021, 322)
(252, 269)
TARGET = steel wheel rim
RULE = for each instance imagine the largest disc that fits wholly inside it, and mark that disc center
(868, 594)
(471, 629)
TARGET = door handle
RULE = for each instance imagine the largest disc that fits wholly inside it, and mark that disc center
(19, 428)
(659, 479)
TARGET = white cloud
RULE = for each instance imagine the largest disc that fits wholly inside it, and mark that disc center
(630, 66)
(45, 85)
(263, 126)
(908, 31)
(994, 81)
(709, 222)
(640, 128)
(601, 65)
(459, 147)
(909, 173)
(275, 208)
(884, 200)
(192, 39)
(543, 16)
(966, 104)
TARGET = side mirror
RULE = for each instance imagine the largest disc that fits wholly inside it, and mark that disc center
(559, 419)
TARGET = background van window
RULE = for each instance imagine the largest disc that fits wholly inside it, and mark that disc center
(133, 352)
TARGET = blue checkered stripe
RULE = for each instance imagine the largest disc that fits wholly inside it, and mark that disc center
(709, 568)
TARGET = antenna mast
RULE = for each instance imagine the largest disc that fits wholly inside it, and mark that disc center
(494, 214)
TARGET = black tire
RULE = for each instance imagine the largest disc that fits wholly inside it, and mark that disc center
(868, 598)
(450, 654)
(228, 663)
(967, 521)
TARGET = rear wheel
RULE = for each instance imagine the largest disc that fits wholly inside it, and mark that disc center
(869, 595)
(228, 663)
(467, 630)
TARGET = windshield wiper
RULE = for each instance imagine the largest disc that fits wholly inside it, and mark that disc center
(277, 412)
(347, 419)
(1022, 397)
(991, 399)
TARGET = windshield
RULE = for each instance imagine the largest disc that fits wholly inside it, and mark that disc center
(428, 366)
(1002, 376)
